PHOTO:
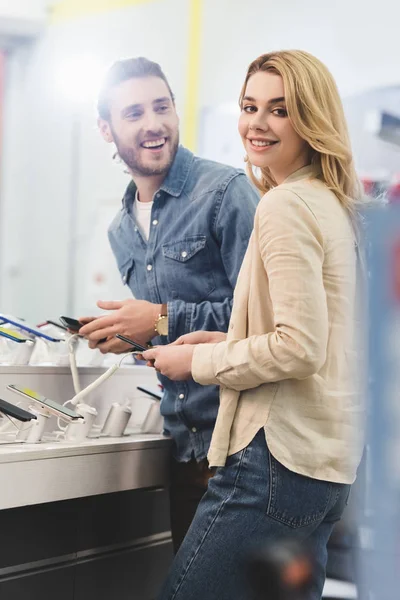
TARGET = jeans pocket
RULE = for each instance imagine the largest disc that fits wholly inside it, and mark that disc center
(296, 500)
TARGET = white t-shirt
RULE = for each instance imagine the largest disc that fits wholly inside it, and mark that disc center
(142, 213)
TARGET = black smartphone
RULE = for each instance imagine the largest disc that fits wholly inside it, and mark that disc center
(75, 325)
(151, 393)
(54, 408)
(15, 411)
(50, 322)
(71, 324)
(137, 347)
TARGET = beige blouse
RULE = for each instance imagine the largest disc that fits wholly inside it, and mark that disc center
(290, 361)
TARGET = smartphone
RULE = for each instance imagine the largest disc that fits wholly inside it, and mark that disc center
(75, 325)
(54, 408)
(15, 411)
(72, 324)
(50, 322)
(152, 393)
(138, 347)
(11, 334)
(26, 327)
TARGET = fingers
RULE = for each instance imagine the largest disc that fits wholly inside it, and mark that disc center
(110, 304)
(106, 332)
(92, 345)
(99, 324)
(179, 341)
(86, 320)
(150, 354)
(112, 345)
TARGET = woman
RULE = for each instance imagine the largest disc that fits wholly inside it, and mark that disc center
(287, 437)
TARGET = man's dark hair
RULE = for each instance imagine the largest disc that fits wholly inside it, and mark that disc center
(123, 70)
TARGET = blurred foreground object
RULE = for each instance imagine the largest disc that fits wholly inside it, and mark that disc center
(280, 571)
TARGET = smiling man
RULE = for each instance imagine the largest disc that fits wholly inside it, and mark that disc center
(179, 241)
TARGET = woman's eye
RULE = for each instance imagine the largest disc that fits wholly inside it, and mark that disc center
(249, 108)
(280, 112)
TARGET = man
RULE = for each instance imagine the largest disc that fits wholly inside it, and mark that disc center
(179, 241)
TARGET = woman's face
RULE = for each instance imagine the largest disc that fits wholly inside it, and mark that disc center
(267, 133)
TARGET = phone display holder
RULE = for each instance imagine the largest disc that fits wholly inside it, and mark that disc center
(87, 357)
(80, 429)
(33, 431)
(116, 420)
(15, 354)
(48, 353)
(7, 426)
(13, 430)
(153, 421)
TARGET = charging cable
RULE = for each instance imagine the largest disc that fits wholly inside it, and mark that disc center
(72, 345)
(92, 386)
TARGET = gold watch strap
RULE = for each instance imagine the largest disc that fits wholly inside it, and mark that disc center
(161, 317)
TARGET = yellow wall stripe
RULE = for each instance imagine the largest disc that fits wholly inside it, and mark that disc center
(71, 9)
(191, 111)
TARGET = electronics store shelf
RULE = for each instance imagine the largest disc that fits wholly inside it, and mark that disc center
(52, 471)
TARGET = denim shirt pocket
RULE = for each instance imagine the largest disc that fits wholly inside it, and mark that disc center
(188, 268)
(127, 270)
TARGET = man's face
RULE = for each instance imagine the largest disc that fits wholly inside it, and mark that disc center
(143, 125)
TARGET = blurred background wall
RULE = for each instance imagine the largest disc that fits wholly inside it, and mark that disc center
(59, 187)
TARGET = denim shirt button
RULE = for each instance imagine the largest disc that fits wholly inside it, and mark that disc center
(194, 429)
(184, 254)
(149, 267)
(155, 222)
(181, 396)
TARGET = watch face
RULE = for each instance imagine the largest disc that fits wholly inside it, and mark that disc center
(162, 326)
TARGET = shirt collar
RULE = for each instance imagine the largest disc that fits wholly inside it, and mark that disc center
(303, 173)
(174, 182)
(176, 177)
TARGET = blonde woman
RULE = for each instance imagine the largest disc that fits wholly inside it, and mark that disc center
(287, 437)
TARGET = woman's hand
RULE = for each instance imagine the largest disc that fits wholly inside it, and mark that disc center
(175, 362)
(200, 337)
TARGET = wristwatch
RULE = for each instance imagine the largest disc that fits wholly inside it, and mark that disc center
(161, 324)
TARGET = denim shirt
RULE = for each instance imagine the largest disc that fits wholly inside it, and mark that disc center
(201, 221)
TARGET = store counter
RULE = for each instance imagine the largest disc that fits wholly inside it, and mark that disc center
(49, 472)
(87, 521)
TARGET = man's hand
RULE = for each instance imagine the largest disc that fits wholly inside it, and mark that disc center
(200, 337)
(133, 318)
(175, 362)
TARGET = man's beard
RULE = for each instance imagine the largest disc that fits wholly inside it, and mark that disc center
(130, 156)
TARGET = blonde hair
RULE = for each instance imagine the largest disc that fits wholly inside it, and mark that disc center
(316, 112)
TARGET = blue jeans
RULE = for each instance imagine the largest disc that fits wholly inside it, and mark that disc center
(252, 500)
